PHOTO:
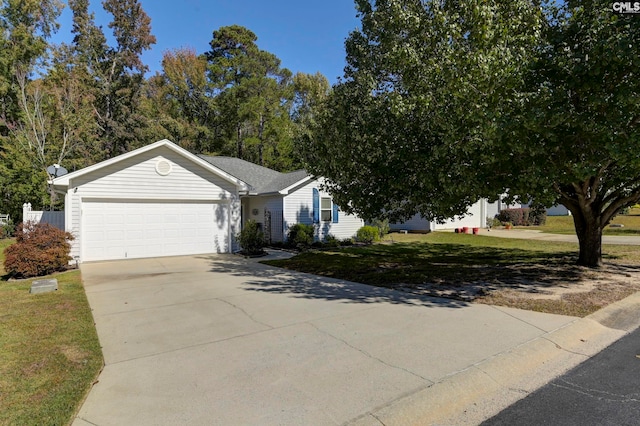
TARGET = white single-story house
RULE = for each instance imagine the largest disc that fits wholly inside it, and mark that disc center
(161, 200)
(276, 201)
(476, 217)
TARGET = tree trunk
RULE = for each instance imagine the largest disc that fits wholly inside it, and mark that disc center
(239, 140)
(589, 232)
(260, 138)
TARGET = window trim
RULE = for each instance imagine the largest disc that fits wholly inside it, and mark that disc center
(328, 210)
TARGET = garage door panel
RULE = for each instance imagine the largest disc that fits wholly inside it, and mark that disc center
(119, 229)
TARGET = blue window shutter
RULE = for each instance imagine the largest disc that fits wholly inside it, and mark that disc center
(316, 205)
(334, 214)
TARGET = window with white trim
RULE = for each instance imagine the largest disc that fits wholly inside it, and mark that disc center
(325, 209)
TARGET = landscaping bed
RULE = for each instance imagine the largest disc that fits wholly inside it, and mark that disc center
(527, 274)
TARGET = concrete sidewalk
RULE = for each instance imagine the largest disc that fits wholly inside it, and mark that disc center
(527, 234)
(227, 341)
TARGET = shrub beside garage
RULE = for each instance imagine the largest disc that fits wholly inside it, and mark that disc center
(40, 249)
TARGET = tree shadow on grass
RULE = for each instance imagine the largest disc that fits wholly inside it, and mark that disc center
(268, 279)
(447, 270)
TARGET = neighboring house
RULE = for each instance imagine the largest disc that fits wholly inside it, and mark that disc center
(476, 217)
(276, 201)
(161, 200)
(557, 210)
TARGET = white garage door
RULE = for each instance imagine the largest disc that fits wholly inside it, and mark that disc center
(121, 229)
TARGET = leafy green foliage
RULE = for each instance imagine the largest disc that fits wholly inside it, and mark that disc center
(382, 225)
(8, 229)
(444, 103)
(368, 234)
(89, 100)
(252, 94)
(251, 238)
(403, 133)
(40, 249)
(115, 75)
(300, 235)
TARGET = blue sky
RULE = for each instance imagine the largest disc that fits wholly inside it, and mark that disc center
(306, 36)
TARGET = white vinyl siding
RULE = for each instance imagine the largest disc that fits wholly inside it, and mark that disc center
(475, 218)
(135, 179)
(117, 229)
(298, 208)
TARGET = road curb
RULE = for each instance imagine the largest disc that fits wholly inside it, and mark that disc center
(477, 393)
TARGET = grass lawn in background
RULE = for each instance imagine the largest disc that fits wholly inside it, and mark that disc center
(49, 350)
(528, 274)
(564, 224)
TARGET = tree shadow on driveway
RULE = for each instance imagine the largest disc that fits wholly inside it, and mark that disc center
(268, 279)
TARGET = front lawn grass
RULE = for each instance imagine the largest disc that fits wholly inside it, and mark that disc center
(564, 224)
(49, 351)
(464, 265)
(416, 259)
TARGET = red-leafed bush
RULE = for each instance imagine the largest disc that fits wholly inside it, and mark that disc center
(517, 217)
(523, 216)
(40, 249)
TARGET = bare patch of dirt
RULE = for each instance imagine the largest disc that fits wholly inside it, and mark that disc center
(74, 355)
(569, 290)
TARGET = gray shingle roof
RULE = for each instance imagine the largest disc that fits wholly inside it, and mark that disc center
(262, 180)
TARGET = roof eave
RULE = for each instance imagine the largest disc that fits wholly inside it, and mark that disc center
(65, 181)
(286, 190)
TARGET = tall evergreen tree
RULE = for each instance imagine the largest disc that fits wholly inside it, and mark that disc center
(252, 92)
(115, 73)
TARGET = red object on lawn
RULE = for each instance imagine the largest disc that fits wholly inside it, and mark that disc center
(465, 229)
(475, 231)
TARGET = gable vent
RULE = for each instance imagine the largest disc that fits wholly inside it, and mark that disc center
(163, 167)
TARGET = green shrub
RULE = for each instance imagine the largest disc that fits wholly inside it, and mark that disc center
(300, 235)
(493, 222)
(8, 229)
(538, 216)
(346, 242)
(382, 225)
(251, 239)
(331, 241)
(40, 249)
(368, 234)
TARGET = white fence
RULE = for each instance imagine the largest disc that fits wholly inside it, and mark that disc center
(53, 218)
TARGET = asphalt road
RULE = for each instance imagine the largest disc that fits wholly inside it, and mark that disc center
(604, 390)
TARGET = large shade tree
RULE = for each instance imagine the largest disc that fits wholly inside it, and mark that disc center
(444, 102)
(579, 119)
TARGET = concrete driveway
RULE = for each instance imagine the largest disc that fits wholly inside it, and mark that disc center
(222, 340)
